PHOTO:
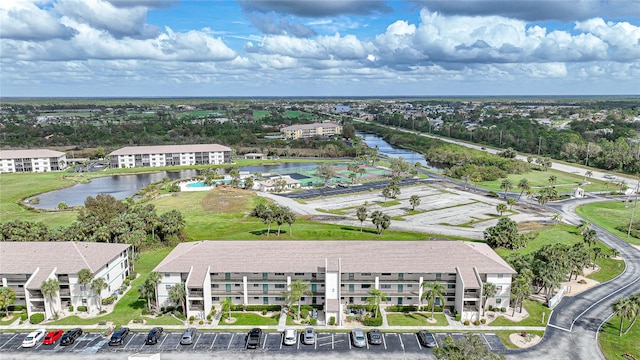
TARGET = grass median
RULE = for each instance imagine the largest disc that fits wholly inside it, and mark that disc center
(614, 346)
(416, 319)
(613, 216)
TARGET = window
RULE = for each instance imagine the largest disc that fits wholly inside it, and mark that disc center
(366, 274)
(227, 275)
(438, 276)
(215, 286)
(451, 286)
(385, 286)
(400, 275)
(363, 299)
(280, 274)
(498, 302)
(256, 297)
(500, 276)
(107, 276)
(365, 286)
(280, 286)
(351, 287)
(409, 285)
(236, 285)
(167, 275)
(265, 275)
(84, 301)
(351, 276)
(228, 287)
(256, 285)
(299, 274)
(498, 288)
(167, 287)
(386, 274)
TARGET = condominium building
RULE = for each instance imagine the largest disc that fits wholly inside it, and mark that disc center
(339, 273)
(169, 155)
(302, 131)
(24, 266)
(32, 160)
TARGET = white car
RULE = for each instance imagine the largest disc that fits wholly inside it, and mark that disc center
(33, 338)
(290, 336)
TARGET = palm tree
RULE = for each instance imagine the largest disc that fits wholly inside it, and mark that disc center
(434, 291)
(520, 289)
(147, 289)
(97, 285)
(584, 226)
(297, 290)
(362, 215)
(626, 309)
(589, 237)
(506, 185)
(615, 252)
(178, 295)
(501, 208)
(380, 220)
(635, 298)
(7, 297)
(587, 174)
(225, 305)
(597, 254)
(511, 202)
(49, 289)
(476, 178)
(84, 278)
(376, 298)
(414, 201)
(557, 218)
(553, 179)
(489, 290)
(466, 179)
(523, 185)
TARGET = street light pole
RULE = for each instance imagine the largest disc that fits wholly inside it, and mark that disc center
(633, 210)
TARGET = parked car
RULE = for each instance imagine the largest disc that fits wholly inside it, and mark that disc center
(70, 336)
(253, 338)
(290, 336)
(609, 176)
(426, 339)
(357, 338)
(154, 335)
(375, 337)
(187, 336)
(33, 338)
(119, 336)
(309, 336)
(52, 337)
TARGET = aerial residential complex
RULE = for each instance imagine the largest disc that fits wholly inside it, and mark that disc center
(24, 266)
(169, 155)
(33, 160)
(310, 130)
(339, 273)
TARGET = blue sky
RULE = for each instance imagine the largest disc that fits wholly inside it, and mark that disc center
(319, 48)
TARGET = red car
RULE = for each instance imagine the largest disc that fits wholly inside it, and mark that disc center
(52, 337)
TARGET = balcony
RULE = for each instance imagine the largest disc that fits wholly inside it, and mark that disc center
(196, 293)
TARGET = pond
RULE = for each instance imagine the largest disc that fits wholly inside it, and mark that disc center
(123, 186)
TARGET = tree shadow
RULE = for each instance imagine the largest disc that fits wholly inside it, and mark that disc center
(138, 304)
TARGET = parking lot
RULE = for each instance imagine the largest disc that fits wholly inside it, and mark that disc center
(393, 343)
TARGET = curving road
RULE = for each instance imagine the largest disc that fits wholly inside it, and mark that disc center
(573, 327)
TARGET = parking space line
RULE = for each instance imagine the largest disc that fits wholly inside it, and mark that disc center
(418, 340)
(3, 345)
(401, 343)
(165, 338)
(315, 343)
(384, 342)
(214, 341)
(332, 343)
(265, 340)
(75, 343)
(486, 341)
(196, 343)
(231, 340)
(282, 340)
(130, 338)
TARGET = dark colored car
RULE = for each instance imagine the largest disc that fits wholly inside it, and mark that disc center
(427, 339)
(119, 336)
(154, 335)
(375, 337)
(253, 338)
(52, 337)
(187, 336)
(70, 336)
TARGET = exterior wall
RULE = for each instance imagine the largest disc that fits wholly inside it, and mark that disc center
(319, 130)
(166, 282)
(170, 159)
(43, 164)
(503, 286)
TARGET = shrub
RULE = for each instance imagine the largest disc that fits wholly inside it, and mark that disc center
(483, 321)
(304, 313)
(257, 307)
(467, 323)
(523, 334)
(398, 308)
(127, 282)
(132, 276)
(103, 311)
(23, 316)
(492, 194)
(138, 321)
(209, 317)
(109, 300)
(71, 308)
(82, 308)
(582, 281)
(179, 315)
(313, 322)
(146, 312)
(332, 320)
(191, 319)
(458, 317)
(36, 318)
(102, 322)
(476, 323)
(168, 309)
(201, 322)
(371, 321)
(504, 309)
(17, 308)
(490, 308)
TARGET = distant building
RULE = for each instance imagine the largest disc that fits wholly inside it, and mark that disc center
(302, 131)
(33, 160)
(255, 156)
(170, 155)
(24, 266)
(279, 182)
(339, 273)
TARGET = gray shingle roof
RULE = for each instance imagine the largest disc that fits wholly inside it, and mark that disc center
(29, 153)
(68, 257)
(435, 256)
(166, 149)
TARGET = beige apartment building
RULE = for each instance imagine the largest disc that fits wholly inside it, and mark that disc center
(170, 155)
(32, 160)
(339, 273)
(24, 266)
(302, 131)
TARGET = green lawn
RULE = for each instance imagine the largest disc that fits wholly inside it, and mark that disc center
(12, 318)
(504, 336)
(130, 306)
(564, 183)
(535, 310)
(611, 215)
(247, 318)
(614, 346)
(416, 319)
